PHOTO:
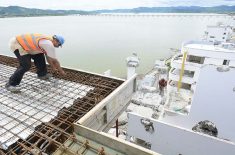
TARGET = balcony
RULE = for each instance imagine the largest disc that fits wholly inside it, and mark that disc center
(188, 77)
(173, 86)
(176, 62)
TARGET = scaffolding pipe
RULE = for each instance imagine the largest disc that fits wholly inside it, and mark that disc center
(182, 71)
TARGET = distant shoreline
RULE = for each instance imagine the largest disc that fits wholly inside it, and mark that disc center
(32, 16)
(17, 11)
(126, 14)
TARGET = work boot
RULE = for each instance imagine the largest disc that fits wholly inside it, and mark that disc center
(13, 89)
(45, 77)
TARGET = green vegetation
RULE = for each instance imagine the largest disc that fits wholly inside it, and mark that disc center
(179, 9)
(15, 11)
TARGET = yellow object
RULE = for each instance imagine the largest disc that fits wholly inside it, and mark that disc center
(182, 71)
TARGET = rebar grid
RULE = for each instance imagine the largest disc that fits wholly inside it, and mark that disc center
(79, 146)
(56, 105)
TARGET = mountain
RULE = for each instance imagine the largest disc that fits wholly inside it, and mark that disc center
(179, 9)
(13, 11)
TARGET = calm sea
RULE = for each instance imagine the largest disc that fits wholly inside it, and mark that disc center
(99, 43)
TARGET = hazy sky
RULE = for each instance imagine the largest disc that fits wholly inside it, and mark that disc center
(110, 4)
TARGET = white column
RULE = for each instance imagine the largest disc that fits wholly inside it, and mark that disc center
(130, 72)
(132, 63)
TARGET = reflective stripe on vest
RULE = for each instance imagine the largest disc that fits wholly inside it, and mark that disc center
(30, 42)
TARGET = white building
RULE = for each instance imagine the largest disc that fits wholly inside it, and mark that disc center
(201, 88)
(219, 33)
(186, 66)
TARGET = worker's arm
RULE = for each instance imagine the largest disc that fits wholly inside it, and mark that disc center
(55, 65)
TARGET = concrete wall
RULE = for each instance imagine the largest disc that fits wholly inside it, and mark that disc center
(213, 100)
(212, 52)
(105, 113)
(213, 61)
(172, 140)
(232, 63)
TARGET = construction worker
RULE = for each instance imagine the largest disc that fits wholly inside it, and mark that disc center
(162, 84)
(34, 46)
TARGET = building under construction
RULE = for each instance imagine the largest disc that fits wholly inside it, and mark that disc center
(63, 115)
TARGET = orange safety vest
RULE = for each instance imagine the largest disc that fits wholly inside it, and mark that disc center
(30, 42)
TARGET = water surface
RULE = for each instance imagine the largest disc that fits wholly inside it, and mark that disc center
(98, 43)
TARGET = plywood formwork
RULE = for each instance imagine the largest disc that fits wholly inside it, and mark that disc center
(40, 118)
(90, 142)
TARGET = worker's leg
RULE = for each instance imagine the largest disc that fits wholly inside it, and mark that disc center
(40, 63)
(25, 64)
